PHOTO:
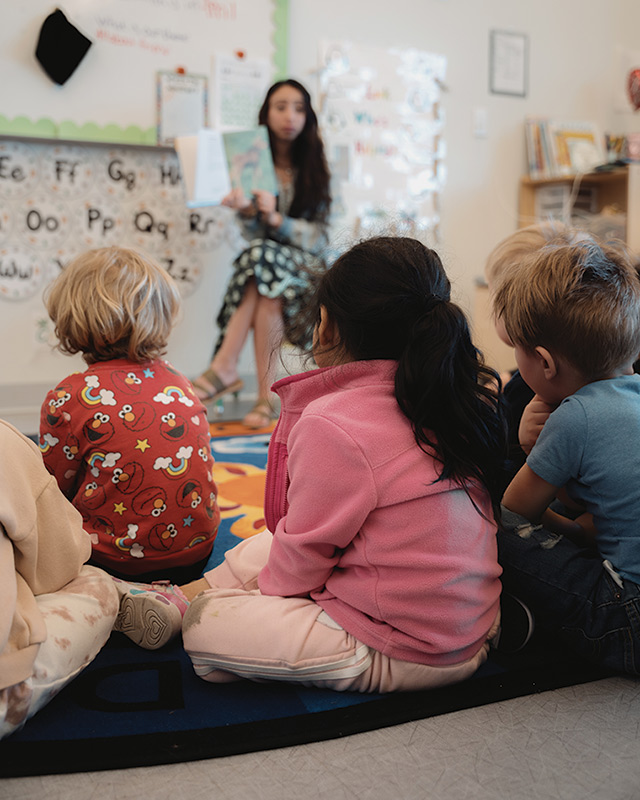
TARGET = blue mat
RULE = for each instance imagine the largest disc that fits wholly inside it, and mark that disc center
(132, 707)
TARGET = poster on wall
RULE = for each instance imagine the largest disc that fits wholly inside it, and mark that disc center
(240, 86)
(382, 122)
(183, 106)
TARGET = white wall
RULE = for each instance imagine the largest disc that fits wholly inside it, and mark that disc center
(571, 60)
(571, 56)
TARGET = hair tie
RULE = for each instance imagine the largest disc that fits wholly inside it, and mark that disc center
(433, 301)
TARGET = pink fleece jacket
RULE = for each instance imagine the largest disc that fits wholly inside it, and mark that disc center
(406, 565)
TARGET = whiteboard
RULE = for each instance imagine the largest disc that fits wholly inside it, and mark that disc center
(112, 94)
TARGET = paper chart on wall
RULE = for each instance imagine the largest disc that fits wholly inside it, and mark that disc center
(383, 126)
(240, 87)
(182, 105)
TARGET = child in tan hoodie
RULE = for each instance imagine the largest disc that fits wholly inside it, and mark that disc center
(55, 612)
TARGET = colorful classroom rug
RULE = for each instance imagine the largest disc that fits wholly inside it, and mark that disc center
(132, 707)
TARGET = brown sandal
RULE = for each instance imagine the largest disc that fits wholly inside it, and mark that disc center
(264, 411)
(209, 386)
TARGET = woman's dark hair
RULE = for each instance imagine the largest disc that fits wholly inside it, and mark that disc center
(390, 299)
(312, 197)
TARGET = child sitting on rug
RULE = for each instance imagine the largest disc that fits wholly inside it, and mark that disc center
(381, 573)
(573, 315)
(55, 613)
(127, 439)
(512, 250)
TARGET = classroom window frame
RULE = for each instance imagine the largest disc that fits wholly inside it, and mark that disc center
(511, 79)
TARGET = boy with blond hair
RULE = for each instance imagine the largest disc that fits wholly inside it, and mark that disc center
(508, 254)
(573, 316)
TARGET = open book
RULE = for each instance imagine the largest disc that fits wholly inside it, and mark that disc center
(212, 163)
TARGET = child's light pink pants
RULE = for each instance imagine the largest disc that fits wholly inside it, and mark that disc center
(79, 619)
(233, 631)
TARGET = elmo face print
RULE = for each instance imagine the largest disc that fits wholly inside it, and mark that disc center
(172, 426)
(210, 506)
(54, 414)
(71, 447)
(189, 494)
(204, 447)
(103, 526)
(137, 416)
(126, 382)
(162, 537)
(128, 478)
(92, 495)
(98, 429)
(150, 502)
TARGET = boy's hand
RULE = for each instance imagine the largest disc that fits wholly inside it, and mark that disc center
(532, 422)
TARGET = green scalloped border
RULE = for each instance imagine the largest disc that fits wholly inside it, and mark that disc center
(132, 134)
(89, 132)
(281, 38)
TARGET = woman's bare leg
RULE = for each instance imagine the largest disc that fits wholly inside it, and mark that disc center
(225, 361)
(268, 332)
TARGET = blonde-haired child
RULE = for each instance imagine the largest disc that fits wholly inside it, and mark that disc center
(127, 439)
(55, 612)
(508, 254)
(573, 316)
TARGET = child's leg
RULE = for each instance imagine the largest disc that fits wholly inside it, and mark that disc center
(151, 614)
(231, 634)
(572, 594)
(79, 619)
(242, 564)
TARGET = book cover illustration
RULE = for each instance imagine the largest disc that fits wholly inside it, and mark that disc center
(250, 162)
(213, 163)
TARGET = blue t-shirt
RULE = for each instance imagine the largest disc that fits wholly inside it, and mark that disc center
(591, 445)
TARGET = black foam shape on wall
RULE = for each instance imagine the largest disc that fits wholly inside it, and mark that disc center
(61, 47)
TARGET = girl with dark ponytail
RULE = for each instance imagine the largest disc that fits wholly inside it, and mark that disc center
(404, 312)
(378, 571)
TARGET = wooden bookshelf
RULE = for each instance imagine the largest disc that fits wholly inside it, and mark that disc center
(611, 189)
(620, 187)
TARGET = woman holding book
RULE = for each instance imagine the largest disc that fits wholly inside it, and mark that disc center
(273, 278)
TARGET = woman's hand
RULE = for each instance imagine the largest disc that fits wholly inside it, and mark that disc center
(266, 206)
(532, 422)
(236, 199)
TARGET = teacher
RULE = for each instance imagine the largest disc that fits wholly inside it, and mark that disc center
(273, 278)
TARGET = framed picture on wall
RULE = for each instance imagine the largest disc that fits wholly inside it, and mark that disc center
(508, 63)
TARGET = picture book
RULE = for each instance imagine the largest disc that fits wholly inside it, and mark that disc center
(538, 148)
(213, 163)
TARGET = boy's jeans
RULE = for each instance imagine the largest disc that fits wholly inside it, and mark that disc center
(572, 593)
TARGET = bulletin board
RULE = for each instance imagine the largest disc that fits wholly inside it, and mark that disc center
(383, 125)
(111, 96)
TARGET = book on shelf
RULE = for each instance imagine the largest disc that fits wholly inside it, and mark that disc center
(212, 163)
(538, 148)
(562, 149)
